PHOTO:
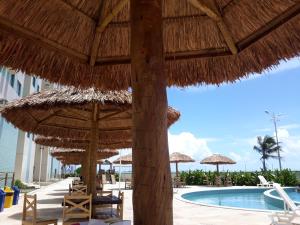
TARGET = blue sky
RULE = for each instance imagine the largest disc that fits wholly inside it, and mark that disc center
(227, 119)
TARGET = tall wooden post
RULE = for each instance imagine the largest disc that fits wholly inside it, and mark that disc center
(92, 153)
(177, 174)
(152, 192)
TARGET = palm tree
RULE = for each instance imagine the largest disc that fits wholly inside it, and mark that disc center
(266, 147)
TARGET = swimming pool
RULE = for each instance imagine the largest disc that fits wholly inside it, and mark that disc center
(245, 198)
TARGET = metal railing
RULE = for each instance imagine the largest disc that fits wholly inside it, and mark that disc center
(6, 178)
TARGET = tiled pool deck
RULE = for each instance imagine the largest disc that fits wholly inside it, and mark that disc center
(50, 198)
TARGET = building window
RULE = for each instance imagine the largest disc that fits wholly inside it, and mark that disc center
(33, 81)
(12, 80)
(19, 88)
(38, 88)
(28, 134)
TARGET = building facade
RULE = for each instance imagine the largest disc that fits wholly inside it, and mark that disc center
(18, 151)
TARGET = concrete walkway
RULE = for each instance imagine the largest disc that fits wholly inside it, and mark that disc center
(50, 199)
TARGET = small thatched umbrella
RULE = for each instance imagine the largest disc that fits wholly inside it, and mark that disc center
(124, 160)
(177, 157)
(148, 45)
(217, 159)
(78, 114)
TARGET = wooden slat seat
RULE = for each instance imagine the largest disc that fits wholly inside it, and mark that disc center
(30, 213)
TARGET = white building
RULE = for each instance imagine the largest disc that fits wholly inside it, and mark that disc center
(18, 151)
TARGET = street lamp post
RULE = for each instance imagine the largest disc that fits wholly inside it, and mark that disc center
(275, 118)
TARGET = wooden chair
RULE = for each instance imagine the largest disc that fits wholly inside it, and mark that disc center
(218, 181)
(177, 183)
(206, 181)
(30, 212)
(228, 181)
(120, 207)
(77, 182)
(107, 212)
(77, 208)
(79, 190)
(113, 179)
(103, 179)
(128, 184)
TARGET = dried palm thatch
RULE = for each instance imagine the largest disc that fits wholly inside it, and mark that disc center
(66, 113)
(126, 159)
(87, 42)
(81, 144)
(177, 157)
(79, 153)
(217, 159)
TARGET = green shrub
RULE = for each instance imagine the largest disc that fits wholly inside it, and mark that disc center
(21, 185)
(285, 177)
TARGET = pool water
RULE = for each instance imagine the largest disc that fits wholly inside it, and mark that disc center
(252, 198)
(294, 195)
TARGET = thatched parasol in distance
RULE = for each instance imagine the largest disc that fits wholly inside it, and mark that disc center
(124, 160)
(97, 116)
(148, 45)
(217, 159)
(177, 157)
(81, 144)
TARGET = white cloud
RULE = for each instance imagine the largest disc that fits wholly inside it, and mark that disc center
(236, 157)
(290, 126)
(187, 143)
(290, 143)
(263, 130)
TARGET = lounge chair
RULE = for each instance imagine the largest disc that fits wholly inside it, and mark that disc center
(291, 214)
(264, 182)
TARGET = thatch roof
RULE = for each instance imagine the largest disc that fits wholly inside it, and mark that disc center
(66, 113)
(70, 42)
(179, 157)
(217, 159)
(80, 154)
(125, 159)
(82, 144)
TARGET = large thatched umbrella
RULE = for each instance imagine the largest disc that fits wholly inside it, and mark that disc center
(217, 159)
(177, 157)
(78, 114)
(124, 160)
(148, 45)
(76, 156)
(81, 144)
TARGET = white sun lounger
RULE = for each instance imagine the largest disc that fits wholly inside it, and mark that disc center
(264, 182)
(291, 214)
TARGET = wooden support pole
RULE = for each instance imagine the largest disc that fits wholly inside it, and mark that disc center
(92, 153)
(152, 191)
(177, 173)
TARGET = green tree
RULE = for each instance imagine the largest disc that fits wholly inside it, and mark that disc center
(266, 147)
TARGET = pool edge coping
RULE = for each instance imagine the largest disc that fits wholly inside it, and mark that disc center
(179, 197)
